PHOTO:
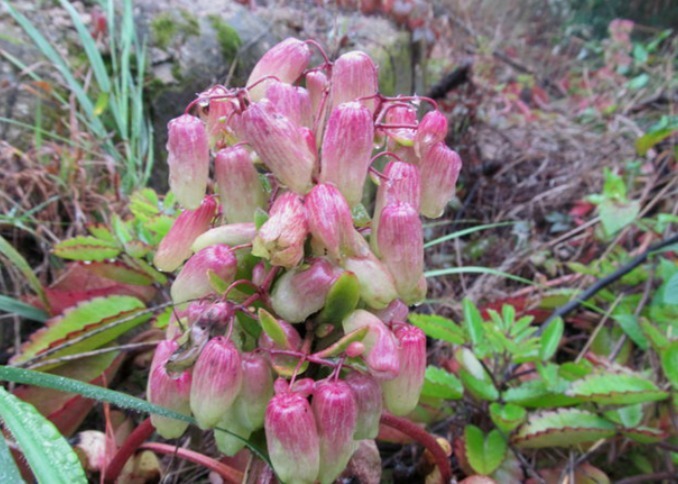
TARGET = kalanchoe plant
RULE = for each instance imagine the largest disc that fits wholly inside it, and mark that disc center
(304, 291)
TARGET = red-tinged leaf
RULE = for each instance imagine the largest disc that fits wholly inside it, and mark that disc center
(608, 388)
(68, 410)
(137, 248)
(120, 272)
(644, 435)
(86, 249)
(563, 428)
(82, 319)
(100, 231)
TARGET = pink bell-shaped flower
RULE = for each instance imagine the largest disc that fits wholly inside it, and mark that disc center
(336, 415)
(402, 250)
(440, 169)
(432, 129)
(401, 183)
(293, 102)
(317, 85)
(381, 346)
(285, 61)
(193, 281)
(281, 239)
(188, 160)
(169, 391)
(354, 76)
(175, 247)
(220, 106)
(369, 401)
(240, 190)
(347, 149)
(401, 394)
(217, 381)
(377, 288)
(280, 143)
(330, 221)
(292, 438)
(300, 293)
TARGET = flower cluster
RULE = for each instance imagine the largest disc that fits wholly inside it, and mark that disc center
(283, 274)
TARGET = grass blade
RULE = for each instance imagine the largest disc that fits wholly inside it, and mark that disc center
(88, 43)
(8, 469)
(122, 400)
(477, 270)
(20, 308)
(461, 233)
(17, 259)
(51, 458)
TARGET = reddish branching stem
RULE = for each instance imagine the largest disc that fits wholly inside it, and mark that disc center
(135, 439)
(229, 474)
(424, 438)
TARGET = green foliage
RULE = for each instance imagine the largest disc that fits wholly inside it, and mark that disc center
(229, 40)
(114, 102)
(485, 453)
(51, 458)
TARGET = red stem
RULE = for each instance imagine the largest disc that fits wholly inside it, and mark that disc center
(424, 438)
(143, 432)
(229, 474)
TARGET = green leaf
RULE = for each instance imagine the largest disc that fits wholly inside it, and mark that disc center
(671, 290)
(463, 232)
(629, 416)
(340, 346)
(648, 140)
(550, 339)
(536, 394)
(654, 336)
(105, 318)
(86, 249)
(273, 329)
(473, 322)
(341, 299)
(615, 215)
(8, 469)
(101, 394)
(644, 435)
(20, 308)
(484, 454)
(480, 389)
(439, 383)
(629, 324)
(15, 258)
(438, 327)
(507, 417)
(47, 452)
(669, 357)
(563, 428)
(616, 389)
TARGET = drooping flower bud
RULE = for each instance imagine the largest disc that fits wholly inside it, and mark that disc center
(376, 284)
(281, 239)
(402, 250)
(280, 144)
(336, 415)
(169, 391)
(354, 76)
(193, 282)
(292, 438)
(175, 247)
(401, 183)
(346, 150)
(293, 102)
(440, 169)
(286, 61)
(240, 189)
(231, 234)
(369, 401)
(256, 390)
(317, 83)
(188, 159)
(432, 129)
(401, 394)
(221, 105)
(381, 346)
(228, 443)
(330, 221)
(217, 378)
(403, 116)
(300, 293)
